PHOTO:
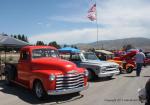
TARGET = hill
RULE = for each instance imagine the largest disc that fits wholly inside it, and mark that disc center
(139, 42)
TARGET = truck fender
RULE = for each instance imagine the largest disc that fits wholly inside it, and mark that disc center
(33, 80)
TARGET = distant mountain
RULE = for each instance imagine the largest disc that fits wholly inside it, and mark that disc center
(139, 42)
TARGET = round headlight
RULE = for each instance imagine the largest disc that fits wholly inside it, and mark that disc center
(117, 66)
(52, 77)
(86, 73)
(103, 68)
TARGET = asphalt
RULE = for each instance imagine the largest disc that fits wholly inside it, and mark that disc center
(120, 90)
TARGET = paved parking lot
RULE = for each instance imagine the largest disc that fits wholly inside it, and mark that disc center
(120, 90)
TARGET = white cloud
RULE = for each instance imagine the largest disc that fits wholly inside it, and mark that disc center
(71, 19)
(72, 36)
(116, 13)
(89, 35)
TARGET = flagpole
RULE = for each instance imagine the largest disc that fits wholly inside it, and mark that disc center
(96, 23)
(97, 26)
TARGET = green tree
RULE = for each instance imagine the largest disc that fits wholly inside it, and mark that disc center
(54, 44)
(19, 37)
(91, 49)
(23, 38)
(128, 47)
(40, 43)
(26, 39)
(65, 45)
(15, 36)
(74, 46)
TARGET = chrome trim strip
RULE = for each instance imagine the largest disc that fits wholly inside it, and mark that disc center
(68, 75)
(66, 91)
(72, 84)
(108, 73)
(71, 81)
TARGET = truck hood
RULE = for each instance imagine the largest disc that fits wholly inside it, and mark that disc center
(116, 61)
(101, 63)
(53, 64)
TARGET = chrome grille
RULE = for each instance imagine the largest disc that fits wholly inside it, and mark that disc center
(110, 68)
(69, 81)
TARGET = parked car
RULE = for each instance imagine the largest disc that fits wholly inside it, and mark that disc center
(89, 60)
(104, 54)
(147, 59)
(40, 69)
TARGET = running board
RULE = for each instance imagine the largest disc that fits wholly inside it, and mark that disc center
(19, 84)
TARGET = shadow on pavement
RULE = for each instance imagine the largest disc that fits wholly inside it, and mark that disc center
(27, 96)
(146, 76)
(2, 82)
(101, 79)
(130, 76)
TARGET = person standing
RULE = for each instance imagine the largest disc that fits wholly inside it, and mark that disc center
(139, 59)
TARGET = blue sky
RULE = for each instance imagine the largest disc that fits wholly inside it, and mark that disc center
(33, 17)
(65, 21)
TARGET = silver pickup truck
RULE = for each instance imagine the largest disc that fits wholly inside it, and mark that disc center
(95, 67)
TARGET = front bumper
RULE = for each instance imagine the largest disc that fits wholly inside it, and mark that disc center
(66, 91)
(109, 73)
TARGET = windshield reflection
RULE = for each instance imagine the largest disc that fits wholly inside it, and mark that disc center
(90, 56)
(39, 53)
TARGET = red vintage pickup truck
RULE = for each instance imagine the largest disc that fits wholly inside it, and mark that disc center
(41, 70)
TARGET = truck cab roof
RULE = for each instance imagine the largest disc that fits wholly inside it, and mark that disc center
(37, 47)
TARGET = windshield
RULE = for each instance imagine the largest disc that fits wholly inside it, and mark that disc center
(90, 56)
(39, 53)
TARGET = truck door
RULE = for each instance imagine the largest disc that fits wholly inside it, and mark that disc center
(24, 68)
(75, 58)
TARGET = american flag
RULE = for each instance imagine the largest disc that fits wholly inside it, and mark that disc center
(92, 9)
(92, 13)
